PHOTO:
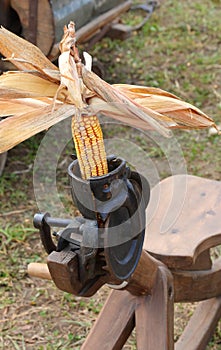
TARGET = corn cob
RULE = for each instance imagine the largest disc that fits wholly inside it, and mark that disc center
(86, 130)
(89, 145)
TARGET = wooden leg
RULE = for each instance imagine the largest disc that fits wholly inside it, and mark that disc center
(201, 325)
(114, 324)
(154, 315)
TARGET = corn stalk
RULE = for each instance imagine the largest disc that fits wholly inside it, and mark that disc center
(40, 95)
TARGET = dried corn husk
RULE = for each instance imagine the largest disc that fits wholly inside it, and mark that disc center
(168, 108)
(18, 128)
(182, 113)
(128, 106)
(38, 84)
(20, 106)
(22, 81)
(24, 55)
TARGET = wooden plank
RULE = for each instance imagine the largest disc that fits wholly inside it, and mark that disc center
(114, 324)
(87, 31)
(197, 285)
(143, 279)
(201, 326)
(154, 315)
(119, 31)
(202, 262)
(183, 219)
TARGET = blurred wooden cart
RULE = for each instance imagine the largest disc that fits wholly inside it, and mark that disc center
(41, 21)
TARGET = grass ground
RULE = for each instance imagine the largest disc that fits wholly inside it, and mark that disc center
(178, 50)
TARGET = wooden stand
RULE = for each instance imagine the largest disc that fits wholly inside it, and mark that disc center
(175, 266)
(182, 243)
(151, 314)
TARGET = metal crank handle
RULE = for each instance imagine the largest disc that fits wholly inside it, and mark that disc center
(51, 221)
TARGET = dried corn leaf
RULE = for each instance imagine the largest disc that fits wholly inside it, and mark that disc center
(115, 110)
(20, 106)
(180, 112)
(134, 91)
(48, 74)
(131, 109)
(6, 93)
(14, 130)
(190, 119)
(12, 46)
(30, 83)
(168, 107)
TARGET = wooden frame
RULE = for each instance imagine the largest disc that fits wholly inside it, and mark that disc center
(166, 273)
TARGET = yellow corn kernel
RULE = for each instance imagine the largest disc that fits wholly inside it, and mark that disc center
(89, 145)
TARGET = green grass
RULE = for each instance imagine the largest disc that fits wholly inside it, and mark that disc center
(15, 233)
(172, 51)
